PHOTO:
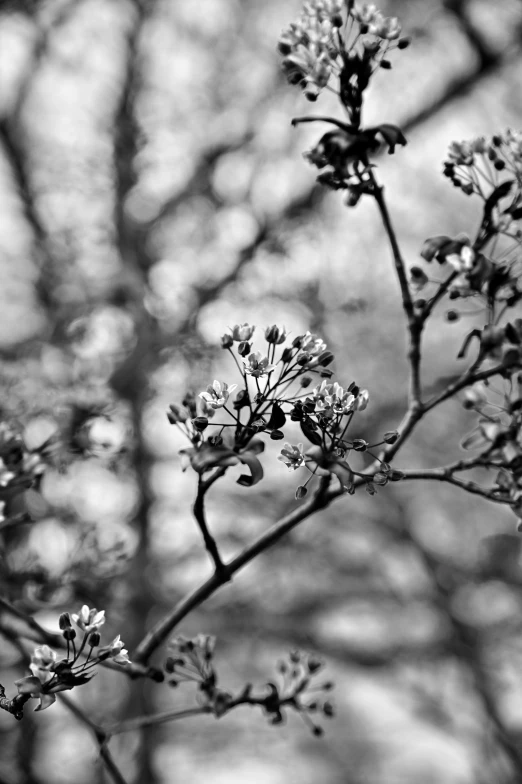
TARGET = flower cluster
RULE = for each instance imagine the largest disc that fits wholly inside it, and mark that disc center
(344, 44)
(484, 161)
(51, 675)
(192, 661)
(333, 38)
(20, 467)
(298, 690)
(489, 266)
(498, 436)
(270, 397)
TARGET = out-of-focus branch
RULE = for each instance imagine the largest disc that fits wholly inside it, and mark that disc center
(466, 646)
(43, 635)
(157, 718)
(446, 475)
(102, 737)
(471, 376)
(11, 138)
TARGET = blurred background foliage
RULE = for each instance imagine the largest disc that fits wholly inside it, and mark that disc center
(152, 193)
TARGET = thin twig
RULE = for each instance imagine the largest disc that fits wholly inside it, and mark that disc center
(467, 379)
(442, 475)
(157, 718)
(415, 323)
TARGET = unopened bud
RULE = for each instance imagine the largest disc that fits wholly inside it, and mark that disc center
(244, 348)
(200, 423)
(227, 340)
(65, 621)
(326, 358)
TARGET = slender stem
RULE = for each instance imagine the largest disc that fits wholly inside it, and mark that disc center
(470, 377)
(199, 514)
(157, 718)
(415, 323)
(443, 475)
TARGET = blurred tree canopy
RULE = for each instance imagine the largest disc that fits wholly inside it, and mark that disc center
(152, 193)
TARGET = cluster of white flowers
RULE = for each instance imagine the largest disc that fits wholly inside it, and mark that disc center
(51, 675)
(375, 23)
(309, 47)
(332, 399)
(313, 47)
(469, 162)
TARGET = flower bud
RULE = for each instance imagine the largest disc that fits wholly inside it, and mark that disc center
(275, 334)
(305, 381)
(360, 445)
(244, 348)
(300, 492)
(177, 414)
(352, 197)
(227, 340)
(200, 423)
(286, 356)
(314, 664)
(328, 709)
(391, 436)
(326, 358)
(403, 43)
(452, 315)
(241, 399)
(69, 634)
(242, 332)
(65, 621)
(94, 639)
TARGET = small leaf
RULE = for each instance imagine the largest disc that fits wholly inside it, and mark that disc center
(256, 469)
(499, 193)
(312, 435)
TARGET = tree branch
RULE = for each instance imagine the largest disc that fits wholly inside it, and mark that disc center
(167, 624)
(102, 738)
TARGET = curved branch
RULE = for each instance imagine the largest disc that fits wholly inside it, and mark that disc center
(165, 626)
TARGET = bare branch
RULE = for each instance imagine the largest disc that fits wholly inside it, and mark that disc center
(166, 625)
